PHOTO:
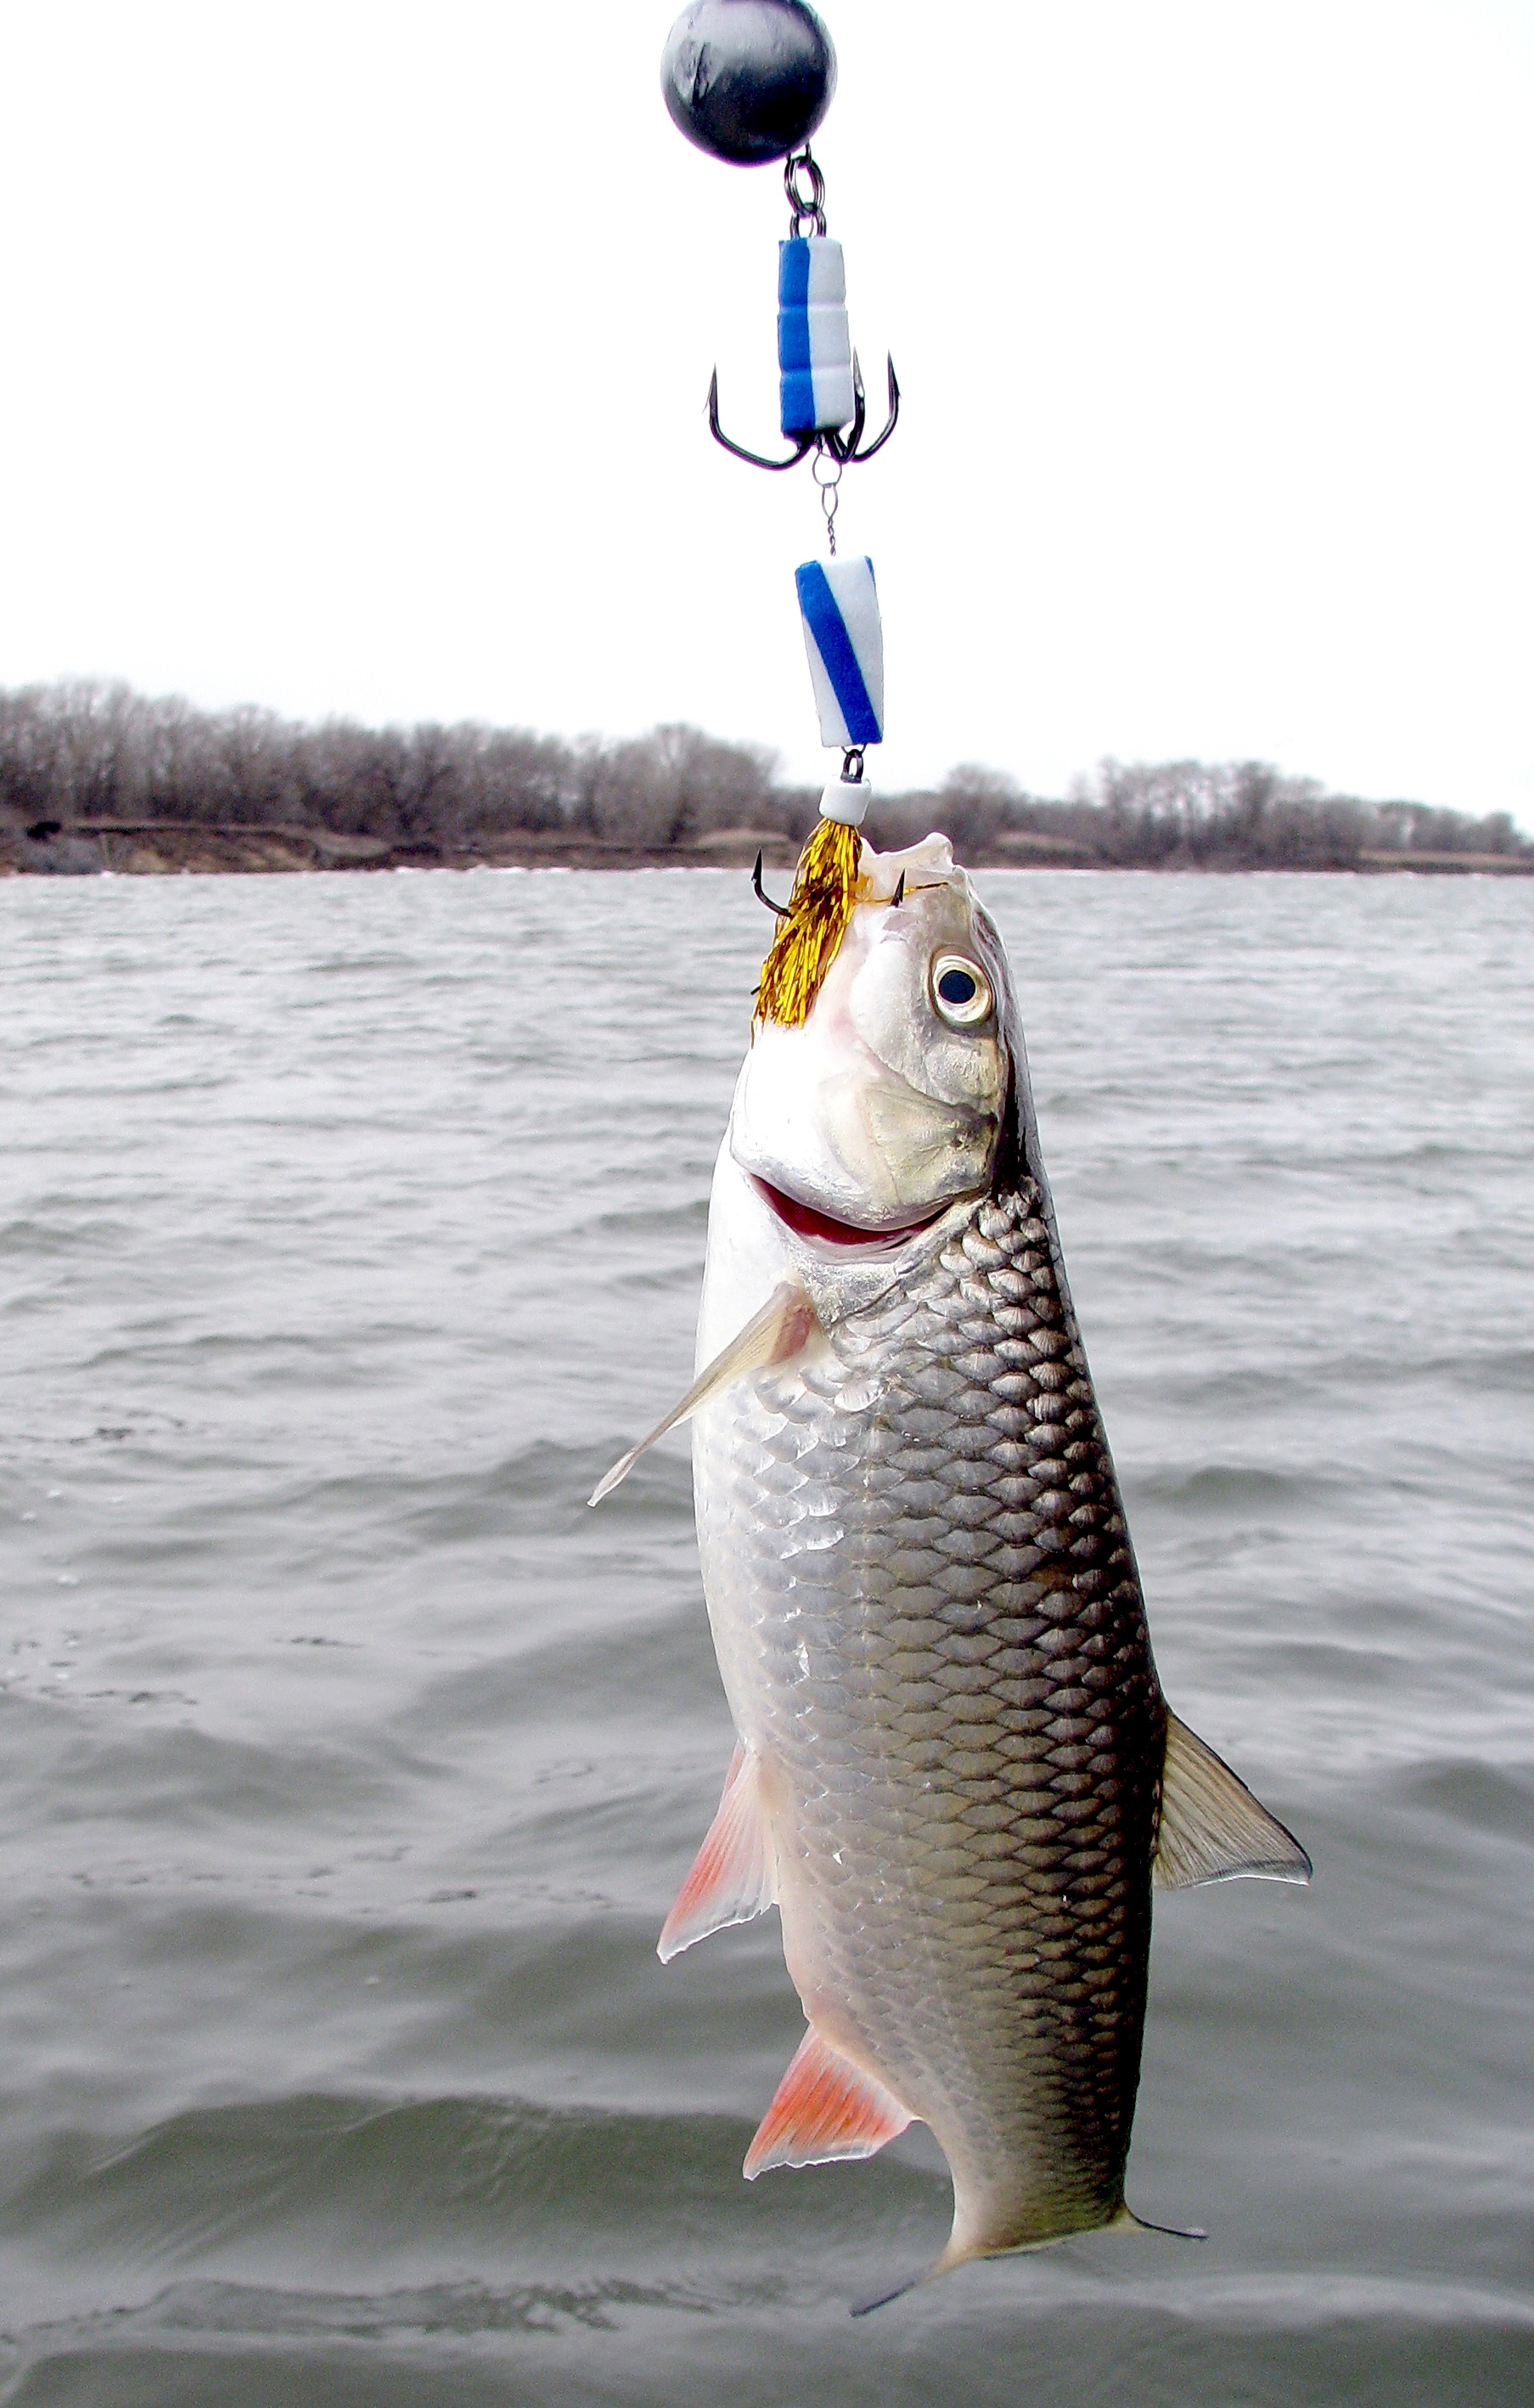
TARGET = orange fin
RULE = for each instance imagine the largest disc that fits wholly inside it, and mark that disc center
(827, 2107)
(732, 1875)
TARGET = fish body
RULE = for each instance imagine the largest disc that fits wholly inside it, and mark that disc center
(931, 1635)
(954, 1772)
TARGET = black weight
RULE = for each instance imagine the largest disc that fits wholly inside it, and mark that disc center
(748, 80)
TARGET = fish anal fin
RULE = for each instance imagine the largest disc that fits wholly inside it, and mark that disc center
(826, 2108)
(733, 1875)
(781, 1327)
(1212, 1827)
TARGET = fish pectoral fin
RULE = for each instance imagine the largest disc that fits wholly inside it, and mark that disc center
(826, 2108)
(770, 1336)
(733, 1874)
(1212, 1827)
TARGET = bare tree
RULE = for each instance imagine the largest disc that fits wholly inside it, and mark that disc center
(90, 752)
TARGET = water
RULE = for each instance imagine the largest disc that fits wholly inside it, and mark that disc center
(349, 1228)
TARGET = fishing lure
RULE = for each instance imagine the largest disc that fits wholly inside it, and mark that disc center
(750, 81)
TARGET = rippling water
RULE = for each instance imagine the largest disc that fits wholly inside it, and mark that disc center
(349, 1228)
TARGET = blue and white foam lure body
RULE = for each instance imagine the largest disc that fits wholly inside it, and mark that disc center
(815, 346)
(838, 603)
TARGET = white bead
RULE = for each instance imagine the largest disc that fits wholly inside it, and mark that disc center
(845, 802)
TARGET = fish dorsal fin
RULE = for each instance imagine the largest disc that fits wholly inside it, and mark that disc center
(770, 1336)
(1212, 1827)
(733, 1875)
(826, 2108)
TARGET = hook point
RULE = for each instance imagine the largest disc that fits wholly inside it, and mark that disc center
(761, 896)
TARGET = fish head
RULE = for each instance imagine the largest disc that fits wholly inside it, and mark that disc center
(888, 1104)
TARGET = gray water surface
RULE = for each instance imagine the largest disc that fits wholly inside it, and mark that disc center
(349, 1228)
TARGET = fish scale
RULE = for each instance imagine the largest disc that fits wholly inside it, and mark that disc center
(930, 1626)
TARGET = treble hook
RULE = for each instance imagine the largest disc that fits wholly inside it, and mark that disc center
(845, 448)
(781, 908)
(829, 440)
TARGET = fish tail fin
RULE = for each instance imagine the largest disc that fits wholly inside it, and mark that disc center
(975, 2236)
(896, 2292)
(964, 2246)
(957, 2253)
(1127, 2221)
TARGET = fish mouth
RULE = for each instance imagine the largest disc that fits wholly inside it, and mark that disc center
(805, 1222)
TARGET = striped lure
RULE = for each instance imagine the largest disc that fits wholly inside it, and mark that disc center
(814, 347)
(844, 640)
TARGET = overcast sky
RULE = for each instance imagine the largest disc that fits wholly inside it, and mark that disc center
(357, 355)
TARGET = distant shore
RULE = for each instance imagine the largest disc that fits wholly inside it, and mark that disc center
(153, 848)
(95, 778)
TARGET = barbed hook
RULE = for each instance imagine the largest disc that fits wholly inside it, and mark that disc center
(849, 448)
(761, 896)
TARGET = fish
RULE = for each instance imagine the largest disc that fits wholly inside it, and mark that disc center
(955, 1773)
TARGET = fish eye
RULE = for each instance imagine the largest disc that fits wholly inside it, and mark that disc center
(960, 990)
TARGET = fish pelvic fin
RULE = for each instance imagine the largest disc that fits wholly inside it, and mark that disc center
(1212, 1827)
(733, 1874)
(826, 2108)
(779, 1330)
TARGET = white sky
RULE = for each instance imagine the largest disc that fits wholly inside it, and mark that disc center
(355, 357)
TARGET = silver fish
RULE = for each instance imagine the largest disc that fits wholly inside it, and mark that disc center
(956, 1775)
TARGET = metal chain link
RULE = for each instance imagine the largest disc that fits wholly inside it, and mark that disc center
(826, 468)
(806, 205)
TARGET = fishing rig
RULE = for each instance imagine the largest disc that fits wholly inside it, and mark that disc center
(748, 81)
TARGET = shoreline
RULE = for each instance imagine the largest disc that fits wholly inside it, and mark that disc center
(157, 848)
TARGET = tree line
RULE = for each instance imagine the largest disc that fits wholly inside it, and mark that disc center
(85, 754)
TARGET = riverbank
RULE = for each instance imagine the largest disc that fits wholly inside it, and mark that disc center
(157, 848)
(94, 777)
